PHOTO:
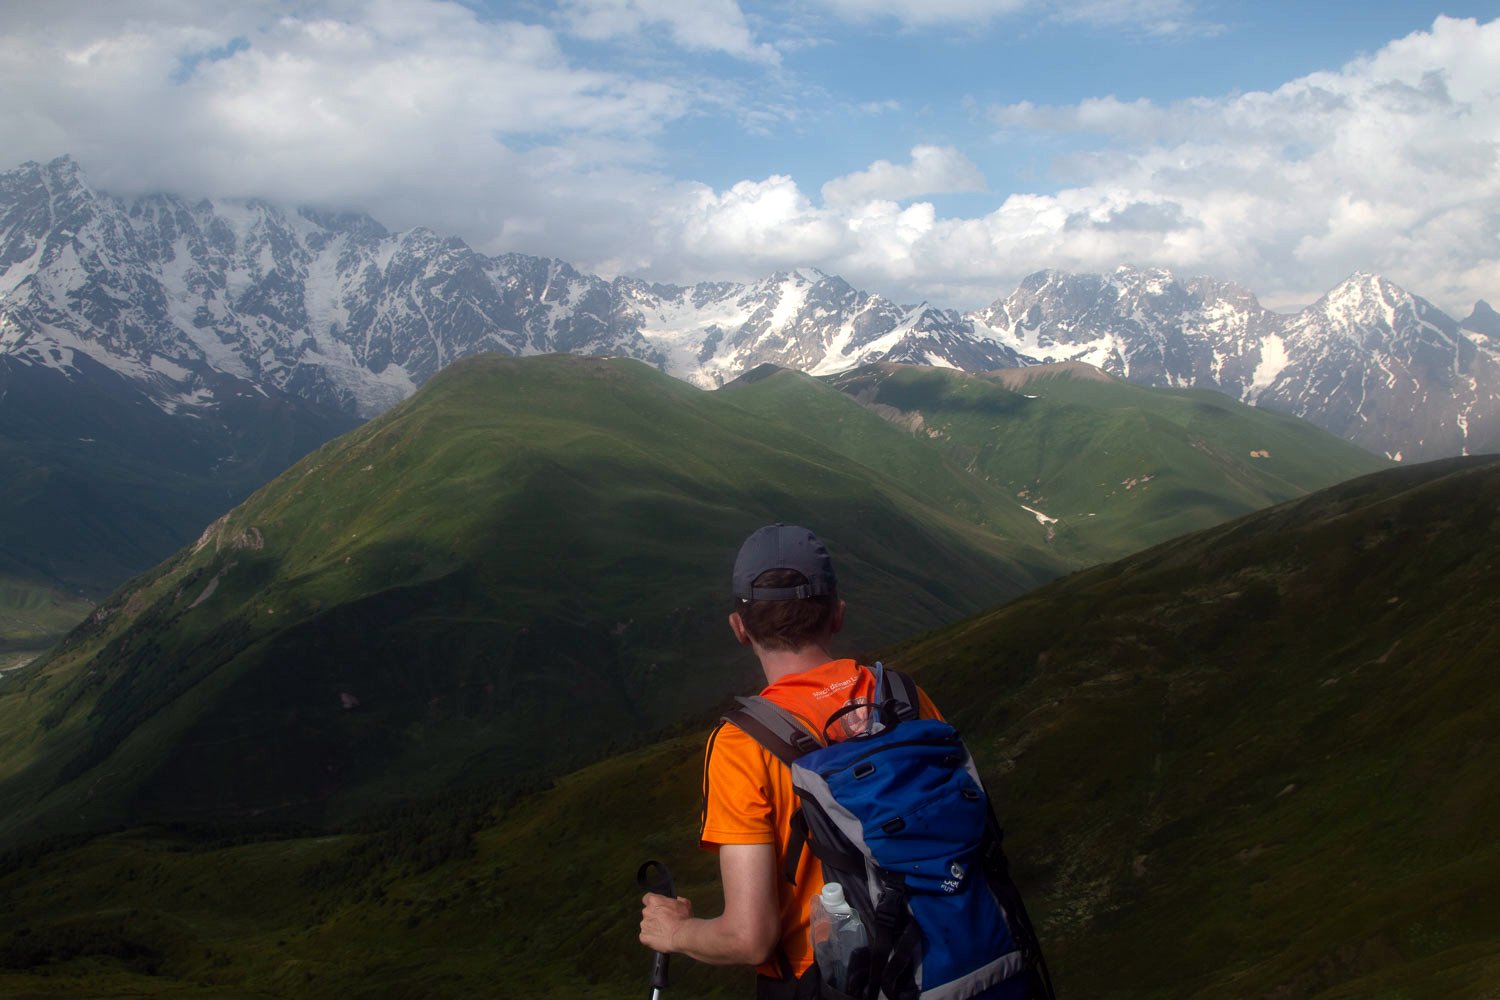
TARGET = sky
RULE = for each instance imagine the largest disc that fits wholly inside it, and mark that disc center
(934, 150)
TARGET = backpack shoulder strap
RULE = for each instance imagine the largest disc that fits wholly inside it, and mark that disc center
(776, 729)
(900, 689)
(773, 727)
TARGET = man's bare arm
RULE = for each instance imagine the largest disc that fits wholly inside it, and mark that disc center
(747, 931)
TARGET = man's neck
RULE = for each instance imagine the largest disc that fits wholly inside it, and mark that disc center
(779, 663)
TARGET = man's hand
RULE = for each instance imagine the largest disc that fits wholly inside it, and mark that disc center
(661, 918)
(746, 932)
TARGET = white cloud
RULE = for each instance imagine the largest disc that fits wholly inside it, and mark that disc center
(933, 170)
(702, 25)
(927, 12)
(1146, 17)
(1391, 163)
(751, 226)
(416, 110)
(424, 112)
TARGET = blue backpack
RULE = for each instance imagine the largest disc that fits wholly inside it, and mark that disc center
(899, 817)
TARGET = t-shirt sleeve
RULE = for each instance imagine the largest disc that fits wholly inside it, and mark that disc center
(737, 799)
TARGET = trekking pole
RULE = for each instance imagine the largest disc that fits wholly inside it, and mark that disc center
(654, 877)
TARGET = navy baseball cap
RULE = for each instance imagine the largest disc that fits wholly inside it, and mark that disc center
(783, 546)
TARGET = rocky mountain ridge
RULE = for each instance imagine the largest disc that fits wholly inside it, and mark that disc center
(337, 310)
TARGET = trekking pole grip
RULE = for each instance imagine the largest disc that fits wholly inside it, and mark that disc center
(653, 876)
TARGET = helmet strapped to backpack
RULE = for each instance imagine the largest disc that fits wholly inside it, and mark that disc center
(899, 817)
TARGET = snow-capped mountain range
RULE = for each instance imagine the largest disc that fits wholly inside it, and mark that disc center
(336, 310)
(1368, 361)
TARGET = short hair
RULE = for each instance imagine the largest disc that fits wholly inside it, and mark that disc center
(786, 625)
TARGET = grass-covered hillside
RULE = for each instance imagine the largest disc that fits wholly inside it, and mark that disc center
(1260, 761)
(1254, 762)
(1111, 466)
(519, 567)
(838, 421)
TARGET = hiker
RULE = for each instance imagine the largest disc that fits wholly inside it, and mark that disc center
(787, 610)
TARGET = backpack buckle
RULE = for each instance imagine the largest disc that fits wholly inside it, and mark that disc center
(804, 743)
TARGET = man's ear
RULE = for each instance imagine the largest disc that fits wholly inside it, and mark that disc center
(837, 622)
(737, 626)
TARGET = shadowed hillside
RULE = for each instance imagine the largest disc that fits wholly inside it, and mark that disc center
(1259, 761)
(98, 483)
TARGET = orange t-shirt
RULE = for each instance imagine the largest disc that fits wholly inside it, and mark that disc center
(748, 796)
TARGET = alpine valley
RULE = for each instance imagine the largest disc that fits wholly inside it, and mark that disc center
(428, 601)
(426, 627)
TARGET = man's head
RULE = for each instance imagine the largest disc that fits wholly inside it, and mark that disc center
(785, 592)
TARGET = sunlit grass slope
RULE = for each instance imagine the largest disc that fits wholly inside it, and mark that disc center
(1118, 466)
(1255, 762)
(837, 420)
(517, 568)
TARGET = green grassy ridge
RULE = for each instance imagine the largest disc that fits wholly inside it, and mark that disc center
(1119, 466)
(1229, 766)
(834, 418)
(439, 596)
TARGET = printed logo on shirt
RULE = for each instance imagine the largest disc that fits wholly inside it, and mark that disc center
(835, 688)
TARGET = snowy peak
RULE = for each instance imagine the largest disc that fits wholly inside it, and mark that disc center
(1485, 323)
(1223, 294)
(1074, 308)
(1369, 319)
(1142, 324)
(802, 319)
(60, 182)
(357, 225)
(43, 209)
(1366, 300)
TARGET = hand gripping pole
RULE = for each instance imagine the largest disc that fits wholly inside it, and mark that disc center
(653, 876)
